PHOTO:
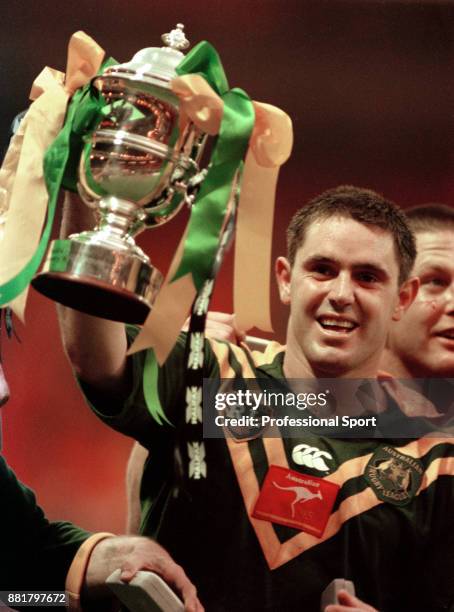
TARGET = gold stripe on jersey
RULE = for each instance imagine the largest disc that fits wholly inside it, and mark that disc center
(221, 351)
(442, 466)
(275, 552)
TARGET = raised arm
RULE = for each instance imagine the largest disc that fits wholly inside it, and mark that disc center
(95, 347)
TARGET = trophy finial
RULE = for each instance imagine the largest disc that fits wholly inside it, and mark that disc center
(176, 39)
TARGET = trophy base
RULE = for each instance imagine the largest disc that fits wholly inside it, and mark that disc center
(92, 278)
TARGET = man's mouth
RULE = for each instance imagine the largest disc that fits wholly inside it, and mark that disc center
(446, 333)
(337, 324)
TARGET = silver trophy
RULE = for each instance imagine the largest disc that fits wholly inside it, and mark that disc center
(137, 169)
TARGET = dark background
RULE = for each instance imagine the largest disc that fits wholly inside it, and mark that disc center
(369, 86)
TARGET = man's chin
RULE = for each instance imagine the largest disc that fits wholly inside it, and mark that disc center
(436, 364)
(444, 368)
(332, 363)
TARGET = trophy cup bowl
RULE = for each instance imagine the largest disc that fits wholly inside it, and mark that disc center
(135, 171)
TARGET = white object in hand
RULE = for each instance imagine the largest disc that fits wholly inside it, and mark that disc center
(146, 592)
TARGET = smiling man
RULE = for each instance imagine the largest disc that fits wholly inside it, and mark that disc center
(422, 343)
(349, 253)
(373, 511)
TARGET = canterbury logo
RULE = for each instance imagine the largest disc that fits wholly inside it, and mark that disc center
(311, 457)
(301, 495)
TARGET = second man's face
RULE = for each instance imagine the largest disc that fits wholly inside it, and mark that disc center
(424, 339)
(343, 293)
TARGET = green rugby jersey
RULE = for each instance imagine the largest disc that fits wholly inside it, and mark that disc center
(396, 544)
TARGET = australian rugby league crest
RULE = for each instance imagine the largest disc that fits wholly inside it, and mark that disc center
(393, 476)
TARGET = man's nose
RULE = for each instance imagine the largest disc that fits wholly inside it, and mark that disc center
(341, 290)
(4, 389)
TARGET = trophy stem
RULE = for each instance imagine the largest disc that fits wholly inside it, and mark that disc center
(103, 272)
(118, 221)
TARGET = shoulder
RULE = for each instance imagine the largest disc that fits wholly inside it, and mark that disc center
(234, 359)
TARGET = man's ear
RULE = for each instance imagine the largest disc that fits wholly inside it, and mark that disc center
(407, 294)
(283, 273)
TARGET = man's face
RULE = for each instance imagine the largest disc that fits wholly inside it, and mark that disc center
(343, 293)
(424, 339)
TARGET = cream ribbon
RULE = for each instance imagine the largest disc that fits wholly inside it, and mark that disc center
(21, 175)
(270, 146)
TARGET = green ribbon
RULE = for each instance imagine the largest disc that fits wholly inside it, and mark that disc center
(150, 390)
(210, 207)
(203, 59)
(87, 115)
(60, 169)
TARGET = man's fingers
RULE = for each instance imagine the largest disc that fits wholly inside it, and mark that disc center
(127, 574)
(226, 319)
(154, 560)
(221, 317)
(220, 331)
(171, 573)
(349, 603)
(221, 326)
(347, 599)
(339, 608)
(174, 575)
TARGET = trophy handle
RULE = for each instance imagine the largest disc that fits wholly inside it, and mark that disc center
(185, 181)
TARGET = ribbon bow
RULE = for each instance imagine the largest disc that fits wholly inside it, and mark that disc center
(29, 195)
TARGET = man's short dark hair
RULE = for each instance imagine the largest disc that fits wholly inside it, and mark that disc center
(430, 217)
(362, 205)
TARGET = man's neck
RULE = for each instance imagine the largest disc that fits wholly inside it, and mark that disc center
(348, 402)
(391, 364)
(437, 390)
(297, 366)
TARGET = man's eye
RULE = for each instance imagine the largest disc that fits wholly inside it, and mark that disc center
(323, 270)
(366, 277)
(435, 281)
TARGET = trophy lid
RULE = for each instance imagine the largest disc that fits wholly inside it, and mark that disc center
(154, 65)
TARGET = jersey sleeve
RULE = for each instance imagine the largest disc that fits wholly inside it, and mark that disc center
(35, 553)
(131, 415)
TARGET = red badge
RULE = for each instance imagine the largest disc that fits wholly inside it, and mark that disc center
(296, 500)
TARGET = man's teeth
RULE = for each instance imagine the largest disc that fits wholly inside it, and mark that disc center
(326, 322)
(449, 333)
